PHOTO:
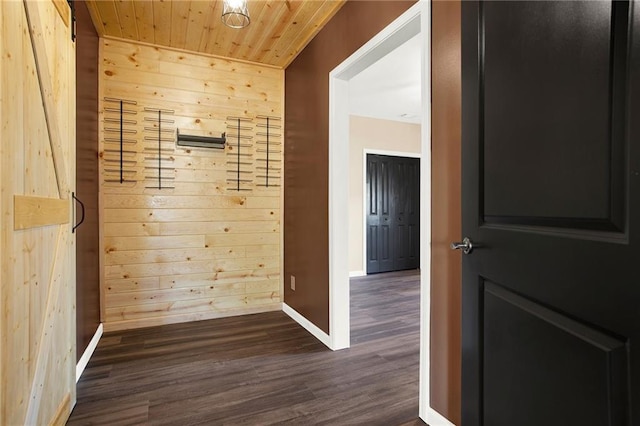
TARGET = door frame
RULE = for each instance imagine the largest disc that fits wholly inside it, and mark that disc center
(365, 152)
(415, 20)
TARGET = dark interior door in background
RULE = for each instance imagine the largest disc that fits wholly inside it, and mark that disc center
(551, 197)
(393, 207)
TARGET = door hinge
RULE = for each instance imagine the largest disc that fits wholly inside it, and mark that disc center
(73, 19)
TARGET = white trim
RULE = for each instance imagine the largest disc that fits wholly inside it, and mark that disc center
(307, 325)
(425, 214)
(399, 31)
(355, 274)
(339, 311)
(416, 20)
(433, 418)
(365, 152)
(402, 29)
(86, 356)
(392, 153)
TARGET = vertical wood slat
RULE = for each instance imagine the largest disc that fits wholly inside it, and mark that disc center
(15, 300)
(96, 18)
(63, 412)
(144, 20)
(278, 31)
(64, 11)
(2, 205)
(108, 17)
(127, 15)
(47, 93)
(179, 23)
(324, 15)
(199, 19)
(101, 233)
(37, 362)
(162, 22)
(46, 335)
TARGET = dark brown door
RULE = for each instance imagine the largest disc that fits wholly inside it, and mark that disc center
(393, 200)
(87, 234)
(551, 199)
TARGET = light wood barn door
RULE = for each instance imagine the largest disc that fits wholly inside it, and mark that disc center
(37, 280)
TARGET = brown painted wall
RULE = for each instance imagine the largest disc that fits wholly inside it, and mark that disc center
(87, 269)
(306, 233)
(446, 210)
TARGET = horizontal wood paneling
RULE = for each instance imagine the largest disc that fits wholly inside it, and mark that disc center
(198, 249)
(188, 267)
(173, 255)
(188, 306)
(192, 215)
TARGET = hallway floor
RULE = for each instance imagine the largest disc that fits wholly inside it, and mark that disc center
(263, 369)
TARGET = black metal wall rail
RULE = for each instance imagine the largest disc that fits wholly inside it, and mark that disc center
(239, 154)
(159, 138)
(197, 141)
(269, 151)
(119, 140)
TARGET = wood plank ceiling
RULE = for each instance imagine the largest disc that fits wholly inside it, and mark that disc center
(279, 29)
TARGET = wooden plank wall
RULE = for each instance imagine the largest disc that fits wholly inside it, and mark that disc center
(197, 248)
(37, 311)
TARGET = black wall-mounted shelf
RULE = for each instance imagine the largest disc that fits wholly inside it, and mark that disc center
(201, 141)
(269, 146)
(240, 164)
(158, 133)
(120, 162)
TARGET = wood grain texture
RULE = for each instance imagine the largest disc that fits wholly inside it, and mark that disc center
(48, 94)
(3, 199)
(63, 10)
(62, 413)
(263, 369)
(31, 212)
(279, 30)
(38, 278)
(198, 249)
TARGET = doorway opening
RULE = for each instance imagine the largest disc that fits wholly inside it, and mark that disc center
(413, 22)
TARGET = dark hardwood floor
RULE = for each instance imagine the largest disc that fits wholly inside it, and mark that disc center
(263, 369)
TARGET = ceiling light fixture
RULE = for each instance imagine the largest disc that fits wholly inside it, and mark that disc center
(235, 13)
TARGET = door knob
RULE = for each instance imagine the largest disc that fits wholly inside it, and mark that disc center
(466, 245)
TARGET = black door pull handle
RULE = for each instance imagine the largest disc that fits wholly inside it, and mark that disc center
(73, 230)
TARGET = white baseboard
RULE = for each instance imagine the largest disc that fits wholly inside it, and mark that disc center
(86, 356)
(307, 325)
(434, 418)
(353, 274)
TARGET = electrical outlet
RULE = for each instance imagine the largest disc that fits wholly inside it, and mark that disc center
(293, 283)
